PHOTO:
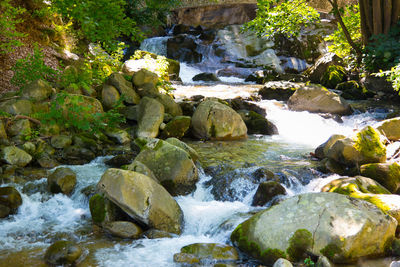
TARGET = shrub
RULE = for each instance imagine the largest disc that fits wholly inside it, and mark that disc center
(10, 17)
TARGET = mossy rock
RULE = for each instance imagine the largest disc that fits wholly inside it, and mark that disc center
(15, 156)
(369, 144)
(353, 90)
(63, 252)
(333, 76)
(388, 174)
(62, 180)
(199, 252)
(10, 200)
(124, 229)
(299, 244)
(177, 127)
(103, 210)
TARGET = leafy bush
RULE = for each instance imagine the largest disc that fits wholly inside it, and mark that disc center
(31, 69)
(10, 17)
(282, 17)
(392, 76)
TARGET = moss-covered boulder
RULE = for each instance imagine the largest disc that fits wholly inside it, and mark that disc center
(257, 124)
(150, 116)
(139, 167)
(387, 174)
(61, 141)
(103, 211)
(142, 199)
(390, 128)
(124, 87)
(322, 150)
(118, 135)
(17, 107)
(3, 133)
(170, 106)
(62, 180)
(177, 127)
(124, 229)
(10, 200)
(318, 99)
(38, 90)
(367, 189)
(147, 89)
(20, 128)
(200, 252)
(266, 191)
(336, 226)
(333, 76)
(15, 156)
(144, 76)
(63, 253)
(214, 120)
(353, 90)
(206, 77)
(321, 65)
(176, 142)
(172, 165)
(109, 96)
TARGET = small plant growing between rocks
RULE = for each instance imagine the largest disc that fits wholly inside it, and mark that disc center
(309, 262)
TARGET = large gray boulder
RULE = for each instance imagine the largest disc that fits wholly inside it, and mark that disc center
(172, 165)
(316, 71)
(214, 120)
(151, 115)
(336, 226)
(390, 128)
(124, 87)
(38, 90)
(15, 156)
(318, 99)
(62, 180)
(143, 199)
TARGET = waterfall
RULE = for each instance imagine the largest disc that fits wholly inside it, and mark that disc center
(156, 45)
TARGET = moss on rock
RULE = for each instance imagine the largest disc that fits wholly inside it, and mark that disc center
(369, 144)
(299, 243)
(331, 250)
(333, 76)
(97, 208)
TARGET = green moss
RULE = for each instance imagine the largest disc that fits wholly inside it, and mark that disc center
(299, 243)
(270, 256)
(97, 208)
(333, 76)
(331, 250)
(141, 142)
(368, 143)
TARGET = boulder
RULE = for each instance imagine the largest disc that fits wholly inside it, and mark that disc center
(38, 90)
(143, 199)
(60, 141)
(3, 133)
(353, 90)
(155, 234)
(316, 71)
(124, 87)
(131, 112)
(318, 99)
(282, 263)
(257, 124)
(109, 96)
(183, 49)
(118, 135)
(177, 127)
(10, 200)
(176, 142)
(206, 77)
(322, 150)
(144, 76)
(170, 106)
(139, 167)
(390, 128)
(198, 252)
(388, 174)
(20, 128)
(17, 107)
(279, 90)
(240, 104)
(333, 76)
(339, 227)
(124, 229)
(62, 180)
(122, 159)
(92, 103)
(63, 253)
(102, 210)
(266, 191)
(151, 115)
(173, 166)
(213, 120)
(147, 89)
(15, 156)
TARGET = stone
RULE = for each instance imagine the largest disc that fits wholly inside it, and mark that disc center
(20, 128)
(266, 191)
(76, 155)
(10, 200)
(257, 124)
(118, 135)
(170, 106)
(151, 115)
(333, 76)
(144, 76)
(173, 166)
(387, 174)
(240, 104)
(322, 150)
(279, 90)
(139, 167)
(17, 107)
(122, 159)
(323, 262)
(213, 120)
(61, 141)
(147, 89)
(155, 234)
(177, 127)
(38, 90)
(29, 148)
(15, 156)
(94, 106)
(206, 251)
(176, 142)
(316, 71)
(124, 229)
(318, 99)
(62, 180)
(124, 87)
(63, 253)
(183, 49)
(390, 128)
(131, 112)
(282, 263)
(339, 227)
(206, 77)
(3, 133)
(143, 199)
(102, 210)
(109, 96)
(47, 162)
(353, 90)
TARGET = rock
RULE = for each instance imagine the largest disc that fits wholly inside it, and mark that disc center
(257, 124)
(124, 229)
(17, 107)
(76, 155)
(368, 190)
(118, 135)
(173, 166)
(120, 160)
(317, 223)
(87, 101)
(109, 96)
(206, 251)
(282, 263)
(38, 90)
(213, 120)
(131, 112)
(47, 162)
(3, 133)
(63, 253)
(147, 89)
(177, 127)
(15, 156)
(124, 87)
(333, 76)
(29, 148)
(377, 84)
(322, 150)
(390, 128)
(20, 128)
(206, 77)
(151, 115)
(10, 200)
(155, 234)
(188, 107)
(279, 90)
(183, 49)
(240, 104)
(316, 71)
(143, 77)
(266, 191)
(176, 142)
(143, 199)
(61, 141)
(103, 211)
(388, 174)
(314, 98)
(353, 90)
(62, 180)
(323, 262)
(170, 106)
(180, 28)
(139, 167)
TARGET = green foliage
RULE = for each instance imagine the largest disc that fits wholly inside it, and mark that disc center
(333, 76)
(282, 17)
(393, 76)
(309, 262)
(99, 21)
(71, 112)
(32, 68)
(351, 18)
(383, 51)
(10, 17)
